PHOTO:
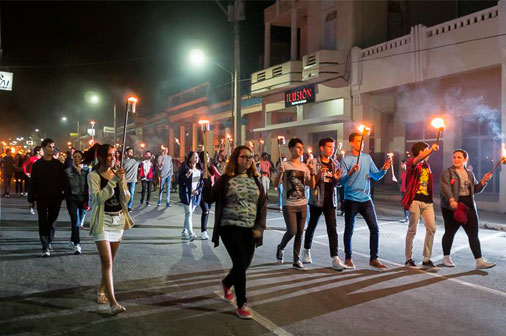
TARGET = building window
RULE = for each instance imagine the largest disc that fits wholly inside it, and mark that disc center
(330, 31)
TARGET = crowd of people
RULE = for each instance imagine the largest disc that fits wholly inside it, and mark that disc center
(99, 181)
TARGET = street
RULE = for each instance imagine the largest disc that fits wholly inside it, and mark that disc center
(172, 287)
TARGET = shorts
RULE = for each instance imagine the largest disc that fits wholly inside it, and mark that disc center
(113, 228)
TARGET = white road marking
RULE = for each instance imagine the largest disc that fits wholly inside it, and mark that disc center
(271, 219)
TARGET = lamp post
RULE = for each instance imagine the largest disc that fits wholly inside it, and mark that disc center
(198, 58)
(92, 131)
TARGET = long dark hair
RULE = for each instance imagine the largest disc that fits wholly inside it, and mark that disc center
(189, 157)
(97, 151)
(203, 160)
(231, 168)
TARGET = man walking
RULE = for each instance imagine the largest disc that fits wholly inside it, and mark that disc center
(323, 199)
(131, 166)
(48, 186)
(146, 170)
(357, 198)
(265, 171)
(166, 170)
(7, 164)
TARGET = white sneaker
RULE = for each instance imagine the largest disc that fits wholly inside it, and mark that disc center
(299, 266)
(32, 211)
(204, 236)
(77, 249)
(46, 253)
(192, 237)
(337, 264)
(483, 264)
(185, 235)
(447, 261)
(306, 256)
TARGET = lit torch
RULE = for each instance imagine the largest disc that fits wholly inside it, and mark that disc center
(502, 159)
(281, 141)
(364, 130)
(130, 107)
(438, 123)
(205, 127)
(391, 158)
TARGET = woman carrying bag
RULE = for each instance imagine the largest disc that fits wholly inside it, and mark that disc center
(458, 186)
(240, 217)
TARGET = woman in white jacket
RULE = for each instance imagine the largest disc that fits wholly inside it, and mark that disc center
(109, 215)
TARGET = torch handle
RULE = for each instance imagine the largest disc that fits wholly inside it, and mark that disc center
(124, 137)
(204, 133)
(279, 153)
(495, 167)
(438, 136)
(360, 150)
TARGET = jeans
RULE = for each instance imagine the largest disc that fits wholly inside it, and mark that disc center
(366, 209)
(280, 193)
(426, 211)
(471, 228)
(266, 182)
(7, 183)
(146, 187)
(19, 178)
(206, 208)
(295, 218)
(77, 213)
(188, 213)
(48, 211)
(240, 246)
(330, 220)
(131, 189)
(165, 182)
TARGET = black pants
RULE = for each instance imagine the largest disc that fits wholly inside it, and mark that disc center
(330, 220)
(471, 228)
(7, 177)
(295, 219)
(76, 212)
(240, 246)
(19, 178)
(206, 208)
(48, 211)
(146, 188)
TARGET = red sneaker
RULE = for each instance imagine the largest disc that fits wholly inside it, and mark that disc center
(243, 312)
(227, 293)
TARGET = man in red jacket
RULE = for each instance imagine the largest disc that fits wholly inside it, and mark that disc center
(146, 175)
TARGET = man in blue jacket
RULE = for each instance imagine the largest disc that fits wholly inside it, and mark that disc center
(357, 197)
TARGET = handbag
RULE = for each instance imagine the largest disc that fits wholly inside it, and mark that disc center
(460, 215)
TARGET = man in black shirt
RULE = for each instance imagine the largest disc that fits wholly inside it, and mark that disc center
(48, 186)
(323, 199)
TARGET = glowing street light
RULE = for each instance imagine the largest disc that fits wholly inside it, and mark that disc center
(64, 119)
(197, 57)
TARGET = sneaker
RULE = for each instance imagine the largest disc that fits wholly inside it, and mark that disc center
(447, 261)
(410, 263)
(129, 209)
(192, 237)
(204, 236)
(483, 264)
(168, 205)
(51, 247)
(337, 264)
(306, 256)
(279, 254)
(244, 313)
(71, 245)
(159, 203)
(299, 266)
(32, 211)
(46, 253)
(77, 249)
(429, 265)
(349, 264)
(147, 204)
(376, 263)
(185, 235)
(227, 293)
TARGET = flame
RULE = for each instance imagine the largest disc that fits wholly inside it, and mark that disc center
(143, 145)
(310, 150)
(250, 144)
(438, 123)
(132, 99)
(176, 140)
(503, 151)
(391, 155)
(262, 142)
(364, 129)
(343, 152)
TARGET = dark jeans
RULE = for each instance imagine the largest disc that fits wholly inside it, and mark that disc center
(240, 246)
(19, 178)
(7, 177)
(76, 212)
(295, 219)
(366, 209)
(330, 220)
(146, 188)
(205, 207)
(48, 211)
(471, 228)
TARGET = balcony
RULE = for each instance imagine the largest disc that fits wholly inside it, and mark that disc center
(324, 65)
(281, 76)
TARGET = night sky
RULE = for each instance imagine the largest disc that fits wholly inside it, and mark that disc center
(58, 51)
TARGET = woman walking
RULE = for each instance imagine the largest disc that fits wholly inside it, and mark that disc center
(458, 186)
(214, 174)
(241, 212)
(109, 216)
(295, 176)
(77, 200)
(190, 190)
(19, 175)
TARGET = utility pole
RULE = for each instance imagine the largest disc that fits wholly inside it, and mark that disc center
(235, 15)
(1, 50)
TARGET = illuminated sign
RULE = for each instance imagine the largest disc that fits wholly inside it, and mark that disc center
(301, 95)
(6, 80)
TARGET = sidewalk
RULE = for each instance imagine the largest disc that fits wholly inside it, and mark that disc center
(388, 204)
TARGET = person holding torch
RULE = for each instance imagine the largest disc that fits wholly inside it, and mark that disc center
(357, 170)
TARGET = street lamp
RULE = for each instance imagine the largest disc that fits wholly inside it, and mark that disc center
(92, 131)
(197, 58)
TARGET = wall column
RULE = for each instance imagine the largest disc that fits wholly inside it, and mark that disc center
(267, 45)
(171, 141)
(182, 142)
(293, 37)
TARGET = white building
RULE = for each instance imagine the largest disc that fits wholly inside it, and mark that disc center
(456, 69)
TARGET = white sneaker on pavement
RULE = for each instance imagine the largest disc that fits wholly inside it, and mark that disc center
(77, 249)
(46, 253)
(447, 261)
(483, 264)
(185, 235)
(337, 264)
(32, 211)
(306, 256)
(204, 236)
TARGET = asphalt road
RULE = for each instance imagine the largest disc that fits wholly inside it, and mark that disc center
(172, 287)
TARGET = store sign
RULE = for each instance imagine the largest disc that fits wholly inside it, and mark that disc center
(301, 95)
(6, 80)
(108, 129)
